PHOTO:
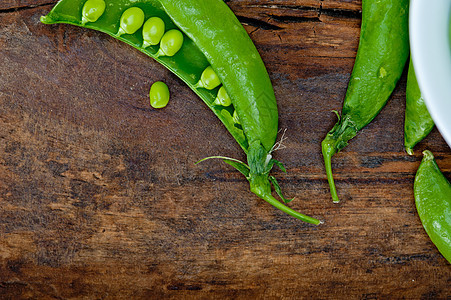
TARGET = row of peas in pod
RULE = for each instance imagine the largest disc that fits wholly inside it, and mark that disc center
(171, 41)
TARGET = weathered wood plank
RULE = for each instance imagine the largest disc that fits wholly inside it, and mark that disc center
(11, 5)
(100, 197)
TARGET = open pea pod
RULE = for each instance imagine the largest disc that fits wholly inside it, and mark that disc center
(202, 39)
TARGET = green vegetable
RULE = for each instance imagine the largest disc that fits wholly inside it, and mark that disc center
(208, 80)
(159, 95)
(131, 20)
(153, 31)
(222, 98)
(203, 33)
(171, 43)
(235, 117)
(92, 11)
(433, 200)
(418, 122)
(381, 56)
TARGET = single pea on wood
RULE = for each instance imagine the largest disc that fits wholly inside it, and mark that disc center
(92, 11)
(159, 95)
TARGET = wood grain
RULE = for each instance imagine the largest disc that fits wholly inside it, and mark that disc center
(100, 197)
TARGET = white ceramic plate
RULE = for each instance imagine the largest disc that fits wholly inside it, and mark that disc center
(429, 25)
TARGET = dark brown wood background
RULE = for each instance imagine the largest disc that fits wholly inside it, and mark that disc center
(100, 197)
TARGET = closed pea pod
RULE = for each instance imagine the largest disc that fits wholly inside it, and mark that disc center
(232, 56)
(417, 122)
(433, 201)
(381, 57)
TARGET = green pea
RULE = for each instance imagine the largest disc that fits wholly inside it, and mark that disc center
(222, 98)
(153, 31)
(131, 20)
(171, 42)
(208, 80)
(92, 11)
(235, 117)
(159, 94)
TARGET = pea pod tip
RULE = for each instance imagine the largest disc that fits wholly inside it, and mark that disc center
(45, 19)
(427, 155)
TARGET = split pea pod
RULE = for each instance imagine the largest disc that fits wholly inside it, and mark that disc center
(433, 201)
(418, 122)
(203, 37)
(381, 57)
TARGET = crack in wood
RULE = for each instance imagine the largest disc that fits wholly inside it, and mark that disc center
(332, 12)
(342, 13)
(321, 11)
(294, 19)
(258, 23)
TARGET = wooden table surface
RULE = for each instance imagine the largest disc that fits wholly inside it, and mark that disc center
(100, 197)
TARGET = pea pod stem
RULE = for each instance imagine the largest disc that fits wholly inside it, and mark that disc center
(260, 186)
(336, 140)
(277, 204)
(328, 152)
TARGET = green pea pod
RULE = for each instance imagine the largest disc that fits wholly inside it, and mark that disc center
(212, 36)
(381, 57)
(418, 122)
(433, 201)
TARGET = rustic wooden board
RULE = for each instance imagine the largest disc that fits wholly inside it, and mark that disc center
(100, 197)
